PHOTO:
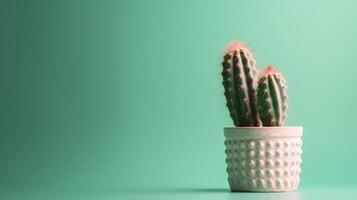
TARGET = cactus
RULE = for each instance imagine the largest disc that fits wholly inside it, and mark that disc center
(271, 98)
(239, 81)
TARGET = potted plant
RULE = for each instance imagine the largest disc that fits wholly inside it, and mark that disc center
(263, 155)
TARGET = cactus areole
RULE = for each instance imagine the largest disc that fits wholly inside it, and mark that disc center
(252, 101)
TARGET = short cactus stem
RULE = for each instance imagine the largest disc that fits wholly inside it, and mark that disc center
(239, 81)
(271, 98)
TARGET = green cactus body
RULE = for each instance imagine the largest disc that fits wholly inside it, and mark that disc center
(271, 98)
(239, 81)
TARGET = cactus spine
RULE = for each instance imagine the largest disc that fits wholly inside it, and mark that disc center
(239, 81)
(271, 98)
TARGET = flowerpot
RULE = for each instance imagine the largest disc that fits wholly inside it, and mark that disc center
(263, 159)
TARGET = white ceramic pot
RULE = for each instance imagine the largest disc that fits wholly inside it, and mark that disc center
(263, 159)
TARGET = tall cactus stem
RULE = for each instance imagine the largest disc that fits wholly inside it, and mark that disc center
(239, 81)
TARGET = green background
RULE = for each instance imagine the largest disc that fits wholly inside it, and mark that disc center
(106, 95)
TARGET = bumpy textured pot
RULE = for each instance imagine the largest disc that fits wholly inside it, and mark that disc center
(263, 159)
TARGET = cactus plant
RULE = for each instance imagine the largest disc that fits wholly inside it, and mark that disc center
(257, 107)
(239, 81)
(271, 98)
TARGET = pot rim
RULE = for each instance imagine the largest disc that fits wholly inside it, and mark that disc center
(263, 132)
